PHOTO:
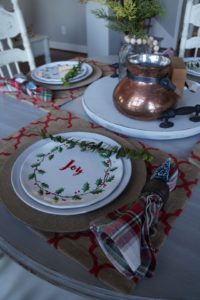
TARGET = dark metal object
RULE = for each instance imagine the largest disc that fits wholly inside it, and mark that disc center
(163, 81)
(116, 70)
(146, 92)
(185, 110)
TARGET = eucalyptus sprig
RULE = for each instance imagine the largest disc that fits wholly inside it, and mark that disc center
(71, 74)
(103, 151)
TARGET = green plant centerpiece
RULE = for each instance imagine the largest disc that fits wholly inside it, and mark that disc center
(128, 16)
(132, 18)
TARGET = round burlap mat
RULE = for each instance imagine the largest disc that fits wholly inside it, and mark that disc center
(96, 74)
(59, 223)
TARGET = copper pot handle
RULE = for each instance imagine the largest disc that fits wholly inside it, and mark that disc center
(165, 82)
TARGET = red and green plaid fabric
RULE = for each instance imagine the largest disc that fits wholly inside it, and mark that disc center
(11, 86)
(124, 235)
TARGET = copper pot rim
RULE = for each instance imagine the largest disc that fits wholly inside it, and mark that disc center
(153, 61)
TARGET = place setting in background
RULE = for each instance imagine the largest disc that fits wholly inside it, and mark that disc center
(64, 75)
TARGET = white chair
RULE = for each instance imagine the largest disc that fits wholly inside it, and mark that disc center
(191, 23)
(12, 24)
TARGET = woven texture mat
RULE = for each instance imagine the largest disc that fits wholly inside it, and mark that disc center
(82, 246)
(74, 223)
(63, 97)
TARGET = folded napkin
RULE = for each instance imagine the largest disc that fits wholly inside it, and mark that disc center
(124, 236)
(21, 83)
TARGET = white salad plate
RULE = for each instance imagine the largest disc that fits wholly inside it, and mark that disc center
(52, 73)
(98, 104)
(44, 190)
(192, 65)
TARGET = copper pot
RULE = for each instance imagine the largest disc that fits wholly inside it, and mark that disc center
(146, 91)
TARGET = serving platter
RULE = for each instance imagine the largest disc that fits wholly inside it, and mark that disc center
(98, 104)
(112, 177)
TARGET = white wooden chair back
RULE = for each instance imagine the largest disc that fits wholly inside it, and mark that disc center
(191, 21)
(12, 24)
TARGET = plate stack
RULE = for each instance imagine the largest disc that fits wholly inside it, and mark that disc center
(53, 73)
(61, 178)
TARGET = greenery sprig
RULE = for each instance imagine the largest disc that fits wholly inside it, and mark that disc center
(71, 74)
(103, 151)
(128, 16)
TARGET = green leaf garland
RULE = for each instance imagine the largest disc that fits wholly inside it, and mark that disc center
(119, 152)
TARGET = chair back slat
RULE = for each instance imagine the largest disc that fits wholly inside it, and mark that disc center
(190, 37)
(6, 70)
(10, 44)
(12, 25)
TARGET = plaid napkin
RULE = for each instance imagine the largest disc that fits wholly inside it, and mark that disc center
(21, 84)
(124, 236)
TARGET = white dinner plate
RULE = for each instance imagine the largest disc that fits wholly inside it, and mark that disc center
(53, 72)
(57, 175)
(71, 209)
(98, 104)
(192, 65)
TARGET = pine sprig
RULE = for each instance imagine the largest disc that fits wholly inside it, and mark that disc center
(71, 74)
(119, 152)
(128, 16)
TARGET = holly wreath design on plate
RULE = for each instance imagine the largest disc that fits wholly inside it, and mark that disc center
(94, 186)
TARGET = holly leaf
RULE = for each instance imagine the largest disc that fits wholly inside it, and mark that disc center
(59, 191)
(31, 176)
(40, 155)
(54, 149)
(41, 171)
(113, 169)
(97, 191)
(40, 192)
(98, 181)
(86, 187)
(45, 185)
(35, 165)
(109, 179)
(51, 156)
(76, 197)
(106, 164)
(55, 198)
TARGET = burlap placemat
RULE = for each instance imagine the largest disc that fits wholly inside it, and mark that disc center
(82, 246)
(75, 223)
